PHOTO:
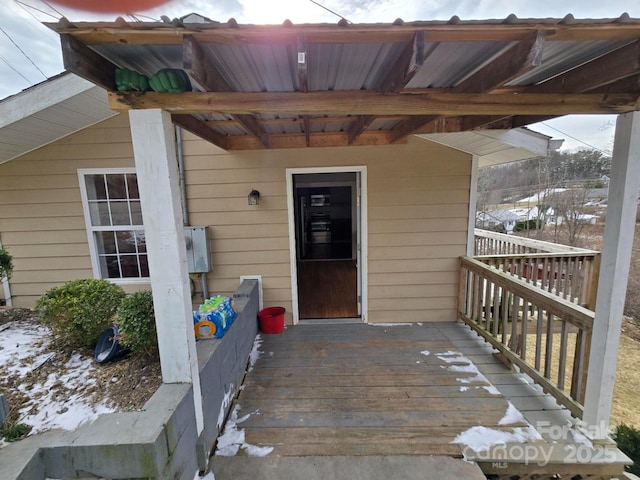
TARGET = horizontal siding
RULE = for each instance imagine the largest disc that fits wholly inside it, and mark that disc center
(418, 219)
(417, 207)
(41, 218)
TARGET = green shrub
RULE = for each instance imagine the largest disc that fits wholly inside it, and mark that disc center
(137, 325)
(6, 263)
(14, 432)
(628, 440)
(524, 225)
(78, 311)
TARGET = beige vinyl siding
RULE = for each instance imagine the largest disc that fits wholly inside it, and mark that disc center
(41, 218)
(418, 211)
(418, 197)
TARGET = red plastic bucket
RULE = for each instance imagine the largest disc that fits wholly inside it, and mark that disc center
(271, 320)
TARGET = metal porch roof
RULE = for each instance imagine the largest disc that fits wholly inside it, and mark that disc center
(284, 86)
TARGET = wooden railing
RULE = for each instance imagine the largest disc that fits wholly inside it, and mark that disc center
(494, 243)
(546, 336)
(568, 272)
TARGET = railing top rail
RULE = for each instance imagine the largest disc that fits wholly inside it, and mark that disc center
(513, 256)
(529, 242)
(575, 314)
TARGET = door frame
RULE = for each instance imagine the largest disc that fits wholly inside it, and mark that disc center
(363, 228)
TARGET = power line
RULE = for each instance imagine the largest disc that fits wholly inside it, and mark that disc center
(25, 5)
(331, 11)
(23, 52)
(576, 139)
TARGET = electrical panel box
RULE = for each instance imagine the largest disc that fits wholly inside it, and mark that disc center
(198, 250)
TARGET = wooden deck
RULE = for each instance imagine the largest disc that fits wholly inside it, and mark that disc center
(359, 389)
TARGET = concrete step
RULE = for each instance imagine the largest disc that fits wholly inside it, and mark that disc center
(344, 468)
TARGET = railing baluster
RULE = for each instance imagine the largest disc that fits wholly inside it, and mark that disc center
(578, 365)
(548, 349)
(539, 322)
(562, 362)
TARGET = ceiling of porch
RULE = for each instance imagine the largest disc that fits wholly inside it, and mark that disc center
(291, 86)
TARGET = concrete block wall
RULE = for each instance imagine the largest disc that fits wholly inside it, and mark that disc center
(223, 362)
(159, 442)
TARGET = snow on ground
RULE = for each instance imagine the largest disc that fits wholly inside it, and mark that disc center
(464, 365)
(481, 439)
(232, 439)
(62, 400)
(255, 352)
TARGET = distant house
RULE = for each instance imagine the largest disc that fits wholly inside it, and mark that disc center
(597, 196)
(491, 219)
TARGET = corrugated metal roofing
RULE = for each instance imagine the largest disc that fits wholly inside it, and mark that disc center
(254, 58)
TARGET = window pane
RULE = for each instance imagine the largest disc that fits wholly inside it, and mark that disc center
(132, 183)
(96, 189)
(129, 266)
(120, 213)
(116, 186)
(144, 266)
(99, 212)
(136, 213)
(106, 243)
(142, 242)
(126, 242)
(109, 267)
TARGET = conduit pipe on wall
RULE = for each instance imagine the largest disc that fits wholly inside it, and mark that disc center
(185, 208)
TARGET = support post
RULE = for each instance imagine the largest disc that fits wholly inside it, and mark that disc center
(473, 205)
(614, 273)
(154, 150)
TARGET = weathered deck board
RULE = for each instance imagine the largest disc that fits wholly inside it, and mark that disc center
(354, 389)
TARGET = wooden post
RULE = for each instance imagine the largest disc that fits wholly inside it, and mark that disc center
(157, 170)
(473, 201)
(614, 272)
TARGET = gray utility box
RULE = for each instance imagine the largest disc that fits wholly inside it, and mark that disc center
(198, 251)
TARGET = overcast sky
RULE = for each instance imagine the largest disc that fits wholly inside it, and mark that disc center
(30, 52)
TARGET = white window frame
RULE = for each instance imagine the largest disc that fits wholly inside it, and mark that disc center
(93, 250)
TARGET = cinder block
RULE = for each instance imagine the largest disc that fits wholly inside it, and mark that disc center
(4, 409)
(123, 445)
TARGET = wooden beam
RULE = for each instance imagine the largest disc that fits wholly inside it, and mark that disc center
(199, 67)
(307, 131)
(317, 140)
(301, 58)
(406, 66)
(362, 122)
(413, 124)
(362, 102)
(84, 62)
(516, 61)
(92, 33)
(487, 122)
(199, 128)
(614, 66)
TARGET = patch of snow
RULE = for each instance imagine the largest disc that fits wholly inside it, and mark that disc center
(512, 416)
(580, 438)
(426, 353)
(255, 352)
(464, 365)
(207, 476)
(233, 439)
(22, 350)
(464, 389)
(226, 401)
(482, 438)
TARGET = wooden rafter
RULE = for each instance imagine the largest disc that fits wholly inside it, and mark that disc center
(301, 62)
(361, 124)
(521, 58)
(84, 62)
(200, 128)
(202, 70)
(610, 68)
(406, 66)
(362, 102)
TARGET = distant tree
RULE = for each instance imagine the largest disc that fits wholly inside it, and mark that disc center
(569, 205)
